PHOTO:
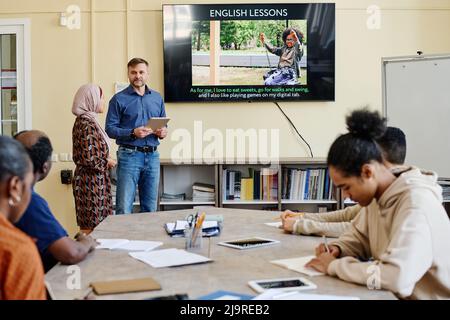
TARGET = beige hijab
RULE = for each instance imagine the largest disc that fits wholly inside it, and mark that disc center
(87, 103)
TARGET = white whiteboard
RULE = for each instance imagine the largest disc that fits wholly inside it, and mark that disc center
(416, 98)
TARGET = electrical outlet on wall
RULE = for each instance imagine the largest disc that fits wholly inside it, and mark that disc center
(65, 157)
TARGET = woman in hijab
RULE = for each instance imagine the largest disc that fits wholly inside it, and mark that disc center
(91, 183)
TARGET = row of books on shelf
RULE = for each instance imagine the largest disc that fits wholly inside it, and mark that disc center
(259, 184)
(306, 184)
(262, 184)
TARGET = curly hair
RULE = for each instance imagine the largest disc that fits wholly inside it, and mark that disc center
(288, 31)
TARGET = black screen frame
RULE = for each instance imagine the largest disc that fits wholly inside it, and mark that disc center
(320, 67)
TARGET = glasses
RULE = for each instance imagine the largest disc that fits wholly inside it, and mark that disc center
(289, 40)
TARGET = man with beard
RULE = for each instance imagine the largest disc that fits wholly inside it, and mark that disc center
(138, 158)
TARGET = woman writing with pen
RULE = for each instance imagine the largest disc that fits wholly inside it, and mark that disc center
(335, 223)
(405, 231)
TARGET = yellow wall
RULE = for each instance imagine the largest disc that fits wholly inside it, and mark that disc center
(117, 30)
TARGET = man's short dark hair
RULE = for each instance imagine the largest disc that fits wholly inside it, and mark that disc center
(393, 144)
(135, 61)
(40, 152)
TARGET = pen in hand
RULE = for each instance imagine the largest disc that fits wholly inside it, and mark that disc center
(291, 215)
(326, 243)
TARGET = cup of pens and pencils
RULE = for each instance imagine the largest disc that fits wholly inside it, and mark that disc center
(193, 234)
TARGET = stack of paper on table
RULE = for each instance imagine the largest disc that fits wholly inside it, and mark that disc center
(279, 294)
(168, 258)
(203, 192)
(128, 245)
(298, 264)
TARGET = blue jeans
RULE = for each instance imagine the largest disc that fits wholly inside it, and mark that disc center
(140, 169)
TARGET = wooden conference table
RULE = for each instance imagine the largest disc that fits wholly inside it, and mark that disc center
(230, 270)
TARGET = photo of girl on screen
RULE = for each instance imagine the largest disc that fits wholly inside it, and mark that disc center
(288, 70)
(265, 52)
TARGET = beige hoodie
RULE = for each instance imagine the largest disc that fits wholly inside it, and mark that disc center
(408, 235)
(331, 224)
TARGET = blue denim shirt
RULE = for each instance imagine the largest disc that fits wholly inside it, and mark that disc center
(128, 110)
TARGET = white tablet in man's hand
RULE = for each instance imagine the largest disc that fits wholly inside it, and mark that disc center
(157, 123)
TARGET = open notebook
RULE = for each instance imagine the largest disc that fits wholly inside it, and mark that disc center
(127, 245)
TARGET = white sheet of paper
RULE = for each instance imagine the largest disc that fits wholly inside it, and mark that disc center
(127, 245)
(278, 294)
(298, 264)
(110, 243)
(274, 224)
(138, 245)
(168, 258)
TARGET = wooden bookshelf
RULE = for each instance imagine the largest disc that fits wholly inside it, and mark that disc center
(186, 172)
(178, 176)
(280, 203)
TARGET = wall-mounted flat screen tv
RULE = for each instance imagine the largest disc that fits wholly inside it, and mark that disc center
(249, 52)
